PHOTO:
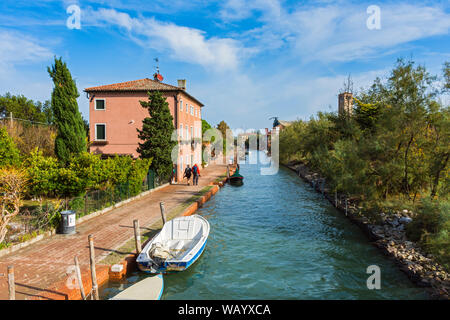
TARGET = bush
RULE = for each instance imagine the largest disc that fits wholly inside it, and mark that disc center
(137, 175)
(429, 220)
(43, 173)
(431, 227)
(9, 154)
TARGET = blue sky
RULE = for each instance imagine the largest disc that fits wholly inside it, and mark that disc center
(245, 60)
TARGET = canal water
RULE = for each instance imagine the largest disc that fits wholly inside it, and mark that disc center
(275, 238)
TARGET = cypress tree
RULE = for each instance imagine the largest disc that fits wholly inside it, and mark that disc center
(71, 136)
(156, 134)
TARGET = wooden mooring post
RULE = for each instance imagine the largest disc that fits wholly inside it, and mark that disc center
(11, 284)
(163, 214)
(80, 281)
(93, 272)
(137, 236)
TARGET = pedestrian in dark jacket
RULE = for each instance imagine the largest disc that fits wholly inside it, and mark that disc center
(187, 173)
(196, 173)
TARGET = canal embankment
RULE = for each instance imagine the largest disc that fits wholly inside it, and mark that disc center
(44, 270)
(389, 236)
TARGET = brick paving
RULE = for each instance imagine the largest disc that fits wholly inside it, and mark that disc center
(42, 264)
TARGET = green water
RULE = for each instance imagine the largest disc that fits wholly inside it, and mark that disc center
(275, 238)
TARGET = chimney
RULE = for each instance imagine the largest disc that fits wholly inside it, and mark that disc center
(345, 103)
(182, 84)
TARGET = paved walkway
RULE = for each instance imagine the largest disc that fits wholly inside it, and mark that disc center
(46, 262)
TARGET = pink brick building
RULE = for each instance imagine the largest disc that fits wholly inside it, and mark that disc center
(115, 113)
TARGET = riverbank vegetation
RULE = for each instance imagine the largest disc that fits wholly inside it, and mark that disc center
(391, 153)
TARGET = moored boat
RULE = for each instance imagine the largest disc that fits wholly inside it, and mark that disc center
(176, 247)
(236, 178)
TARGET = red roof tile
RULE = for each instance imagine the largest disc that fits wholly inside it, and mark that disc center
(139, 85)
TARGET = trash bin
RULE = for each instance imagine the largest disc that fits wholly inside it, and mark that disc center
(68, 222)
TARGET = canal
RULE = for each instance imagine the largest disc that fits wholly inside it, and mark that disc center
(275, 238)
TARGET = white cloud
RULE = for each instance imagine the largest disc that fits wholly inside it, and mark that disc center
(335, 32)
(183, 43)
(17, 48)
(340, 34)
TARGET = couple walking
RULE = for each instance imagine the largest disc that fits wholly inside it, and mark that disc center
(194, 171)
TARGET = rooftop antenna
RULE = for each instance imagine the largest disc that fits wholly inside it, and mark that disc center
(275, 121)
(157, 76)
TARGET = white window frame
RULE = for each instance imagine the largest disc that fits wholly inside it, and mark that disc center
(192, 132)
(192, 110)
(187, 107)
(95, 104)
(187, 132)
(181, 104)
(181, 130)
(104, 124)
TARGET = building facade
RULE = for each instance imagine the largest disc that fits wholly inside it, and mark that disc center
(115, 114)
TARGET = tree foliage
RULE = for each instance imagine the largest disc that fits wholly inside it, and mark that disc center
(395, 148)
(9, 154)
(397, 142)
(71, 133)
(156, 134)
(223, 127)
(84, 172)
(26, 109)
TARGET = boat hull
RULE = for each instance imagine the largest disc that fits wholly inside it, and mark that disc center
(237, 181)
(175, 231)
(171, 266)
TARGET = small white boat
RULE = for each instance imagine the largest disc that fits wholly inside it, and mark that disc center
(177, 246)
(150, 288)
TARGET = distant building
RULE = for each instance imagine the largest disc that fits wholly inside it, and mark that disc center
(115, 114)
(282, 124)
(345, 102)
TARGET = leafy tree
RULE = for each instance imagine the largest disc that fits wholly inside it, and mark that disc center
(9, 154)
(205, 126)
(156, 134)
(223, 127)
(27, 109)
(446, 71)
(71, 136)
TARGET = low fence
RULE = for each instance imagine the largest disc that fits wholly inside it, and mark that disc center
(96, 200)
(35, 220)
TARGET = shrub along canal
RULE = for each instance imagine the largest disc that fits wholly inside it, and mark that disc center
(276, 238)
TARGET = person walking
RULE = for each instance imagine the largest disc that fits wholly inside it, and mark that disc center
(187, 173)
(196, 174)
(174, 174)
